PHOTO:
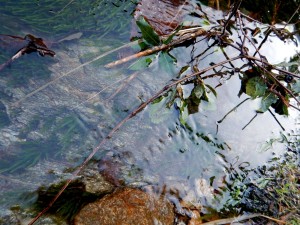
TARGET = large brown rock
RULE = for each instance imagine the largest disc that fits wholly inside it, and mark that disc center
(126, 207)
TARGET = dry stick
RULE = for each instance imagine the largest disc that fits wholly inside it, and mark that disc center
(68, 73)
(177, 13)
(117, 127)
(155, 49)
(251, 19)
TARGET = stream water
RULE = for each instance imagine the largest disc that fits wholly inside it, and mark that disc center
(55, 110)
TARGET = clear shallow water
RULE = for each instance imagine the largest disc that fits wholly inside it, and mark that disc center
(57, 127)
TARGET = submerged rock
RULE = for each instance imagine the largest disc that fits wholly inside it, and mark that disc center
(126, 206)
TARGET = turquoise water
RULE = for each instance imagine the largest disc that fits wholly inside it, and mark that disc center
(55, 110)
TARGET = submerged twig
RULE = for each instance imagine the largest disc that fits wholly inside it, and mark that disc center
(94, 95)
(250, 121)
(68, 73)
(233, 109)
(276, 119)
(64, 7)
(122, 86)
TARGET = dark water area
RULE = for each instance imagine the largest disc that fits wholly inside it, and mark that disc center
(55, 110)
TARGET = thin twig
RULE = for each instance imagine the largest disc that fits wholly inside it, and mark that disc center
(250, 18)
(246, 36)
(250, 121)
(291, 17)
(122, 86)
(263, 41)
(69, 72)
(276, 119)
(233, 109)
(270, 65)
(99, 92)
(233, 12)
(64, 7)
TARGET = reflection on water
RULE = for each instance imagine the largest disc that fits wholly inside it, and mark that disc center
(51, 132)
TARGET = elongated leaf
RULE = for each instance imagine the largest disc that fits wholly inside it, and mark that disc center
(255, 87)
(184, 114)
(198, 91)
(212, 90)
(149, 35)
(170, 38)
(204, 95)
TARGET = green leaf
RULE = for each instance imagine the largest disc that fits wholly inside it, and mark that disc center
(280, 107)
(148, 34)
(268, 99)
(184, 114)
(212, 90)
(170, 38)
(287, 64)
(193, 101)
(167, 62)
(255, 87)
(296, 87)
(204, 95)
(140, 64)
(158, 111)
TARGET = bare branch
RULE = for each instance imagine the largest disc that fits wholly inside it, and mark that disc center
(198, 32)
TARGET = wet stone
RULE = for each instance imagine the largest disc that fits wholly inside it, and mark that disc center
(95, 183)
(126, 206)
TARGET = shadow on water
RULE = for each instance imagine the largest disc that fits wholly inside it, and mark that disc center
(180, 146)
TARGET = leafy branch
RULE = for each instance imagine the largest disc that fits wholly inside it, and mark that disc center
(257, 81)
